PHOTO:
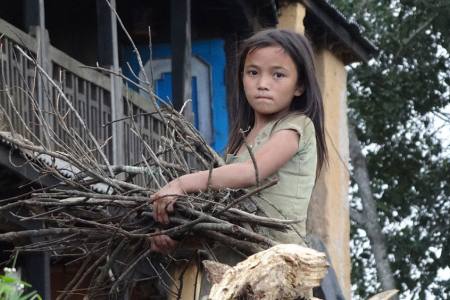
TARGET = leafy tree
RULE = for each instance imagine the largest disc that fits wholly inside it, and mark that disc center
(394, 101)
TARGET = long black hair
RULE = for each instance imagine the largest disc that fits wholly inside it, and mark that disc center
(309, 103)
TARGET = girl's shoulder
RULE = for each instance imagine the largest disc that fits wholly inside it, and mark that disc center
(295, 121)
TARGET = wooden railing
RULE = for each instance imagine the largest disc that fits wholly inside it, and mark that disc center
(89, 91)
(17, 78)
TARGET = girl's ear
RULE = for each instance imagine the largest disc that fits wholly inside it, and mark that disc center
(299, 90)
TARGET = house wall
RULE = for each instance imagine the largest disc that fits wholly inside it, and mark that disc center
(328, 214)
(329, 210)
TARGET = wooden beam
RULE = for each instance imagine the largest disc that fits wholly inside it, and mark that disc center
(292, 16)
(31, 14)
(339, 30)
(180, 31)
(104, 34)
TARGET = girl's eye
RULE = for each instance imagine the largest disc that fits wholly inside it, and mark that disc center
(278, 75)
(252, 72)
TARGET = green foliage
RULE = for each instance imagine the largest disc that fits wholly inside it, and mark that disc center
(393, 100)
(12, 288)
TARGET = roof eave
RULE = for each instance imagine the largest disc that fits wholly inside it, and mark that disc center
(362, 48)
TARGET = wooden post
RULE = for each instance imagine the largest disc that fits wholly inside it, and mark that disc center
(116, 94)
(36, 270)
(31, 14)
(34, 19)
(328, 212)
(292, 17)
(180, 30)
(104, 35)
(108, 56)
(44, 62)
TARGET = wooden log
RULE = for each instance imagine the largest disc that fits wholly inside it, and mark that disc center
(215, 270)
(285, 271)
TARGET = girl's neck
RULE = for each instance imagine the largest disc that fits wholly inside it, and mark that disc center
(259, 124)
(263, 120)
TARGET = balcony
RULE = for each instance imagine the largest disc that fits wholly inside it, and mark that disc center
(90, 92)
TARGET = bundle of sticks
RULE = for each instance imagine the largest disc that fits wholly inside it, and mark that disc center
(99, 214)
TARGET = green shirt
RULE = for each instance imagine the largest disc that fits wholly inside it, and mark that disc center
(289, 198)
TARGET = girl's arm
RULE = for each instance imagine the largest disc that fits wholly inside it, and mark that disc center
(276, 152)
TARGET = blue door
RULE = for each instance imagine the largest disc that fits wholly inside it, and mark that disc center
(208, 85)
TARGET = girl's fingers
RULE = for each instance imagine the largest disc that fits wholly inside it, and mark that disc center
(169, 207)
(154, 197)
(155, 210)
(165, 243)
(154, 245)
(154, 200)
(161, 207)
(162, 243)
(164, 214)
(168, 244)
(172, 243)
(161, 210)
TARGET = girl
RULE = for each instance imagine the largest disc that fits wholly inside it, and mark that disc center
(280, 108)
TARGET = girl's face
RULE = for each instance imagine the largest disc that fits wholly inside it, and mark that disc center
(270, 81)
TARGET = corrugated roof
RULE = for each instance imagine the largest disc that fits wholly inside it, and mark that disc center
(346, 31)
(353, 27)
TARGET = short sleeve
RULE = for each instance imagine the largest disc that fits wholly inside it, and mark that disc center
(299, 123)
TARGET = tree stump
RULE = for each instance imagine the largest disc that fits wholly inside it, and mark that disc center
(285, 271)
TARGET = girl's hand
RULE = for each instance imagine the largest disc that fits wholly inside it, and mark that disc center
(162, 244)
(164, 200)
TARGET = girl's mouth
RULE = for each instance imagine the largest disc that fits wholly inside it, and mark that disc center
(263, 97)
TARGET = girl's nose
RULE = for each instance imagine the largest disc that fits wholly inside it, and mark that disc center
(263, 83)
